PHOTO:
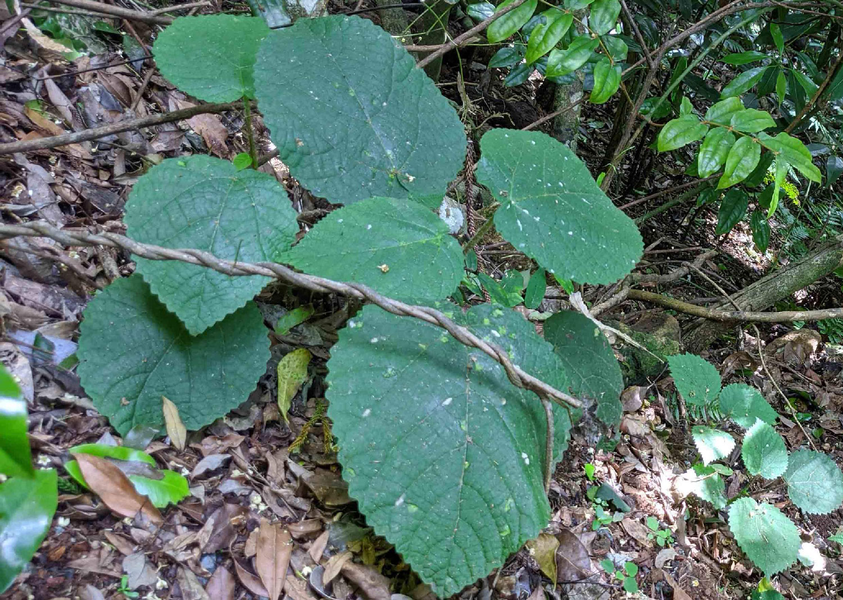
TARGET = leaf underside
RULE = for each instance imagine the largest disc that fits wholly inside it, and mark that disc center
(351, 115)
(132, 351)
(712, 444)
(442, 452)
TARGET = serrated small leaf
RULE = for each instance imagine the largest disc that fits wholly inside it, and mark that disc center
(545, 36)
(732, 210)
(292, 373)
(766, 536)
(712, 444)
(760, 230)
(741, 161)
(562, 62)
(814, 482)
(399, 248)
(205, 375)
(536, 288)
(681, 132)
(607, 79)
(763, 451)
(553, 211)
(505, 26)
(351, 115)
(417, 466)
(794, 153)
(714, 150)
(27, 506)
(751, 120)
(211, 57)
(743, 82)
(723, 111)
(742, 58)
(590, 364)
(205, 203)
(705, 483)
(696, 379)
(603, 16)
(744, 404)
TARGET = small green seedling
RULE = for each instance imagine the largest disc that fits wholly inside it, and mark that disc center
(626, 577)
(589, 471)
(124, 588)
(663, 537)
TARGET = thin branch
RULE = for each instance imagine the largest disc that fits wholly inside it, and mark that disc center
(516, 375)
(465, 37)
(723, 316)
(638, 36)
(119, 127)
(809, 105)
(117, 11)
(177, 7)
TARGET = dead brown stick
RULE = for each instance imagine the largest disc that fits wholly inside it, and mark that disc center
(117, 11)
(465, 37)
(99, 132)
(516, 375)
(178, 7)
(725, 316)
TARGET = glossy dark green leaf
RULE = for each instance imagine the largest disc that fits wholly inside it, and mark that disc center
(534, 294)
(732, 209)
(518, 75)
(760, 230)
(607, 79)
(562, 62)
(742, 58)
(577, 4)
(502, 28)
(781, 87)
(15, 456)
(741, 161)
(723, 111)
(681, 132)
(743, 82)
(778, 38)
(545, 36)
(833, 169)
(767, 83)
(794, 153)
(27, 506)
(714, 150)
(603, 16)
(507, 57)
(758, 175)
(750, 120)
(480, 11)
(617, 48)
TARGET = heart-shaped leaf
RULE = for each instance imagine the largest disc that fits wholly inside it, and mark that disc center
(814, 482)
(744, 404)
(763, 451)
(696, 379)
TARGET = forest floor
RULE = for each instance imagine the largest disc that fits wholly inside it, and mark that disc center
(241, 471)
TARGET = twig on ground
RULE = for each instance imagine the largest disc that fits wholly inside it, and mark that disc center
(99, 132)
(516, 375)
(117, 11)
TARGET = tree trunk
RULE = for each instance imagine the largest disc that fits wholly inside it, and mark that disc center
(768, 290)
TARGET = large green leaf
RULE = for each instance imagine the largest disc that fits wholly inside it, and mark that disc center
(723, 111)
(546, 35)
(503, 27)
(133, 351)
(590, 363)
(794, 153)
(205, 203)
(696, 379)
(352, 116)
(760, 230)
(603, 16)
(399, 248)
(712, 444)
(741, 161)
(743, 82)
(732, 210)
(27, 505)
(766, 536)
(814, 482)
(562, 62)
(705, 483)
(607, 79)
(744, 404)
(442, 453)
(763, 451)
(162, 487)
(553, 211)
(714, 150)
(742, 58)
(15, 456)
(681, 132)
(751, 120)
(211, 57)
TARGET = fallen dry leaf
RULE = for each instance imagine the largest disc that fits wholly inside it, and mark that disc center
(572, 561)
(318, 546)
(275, 546)
(249, 581)
(372, 584)
(334, 566)
(221, 585)
(191, 589)
(114, 488)
(175, 428)
(678, 592)
(543, 549)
